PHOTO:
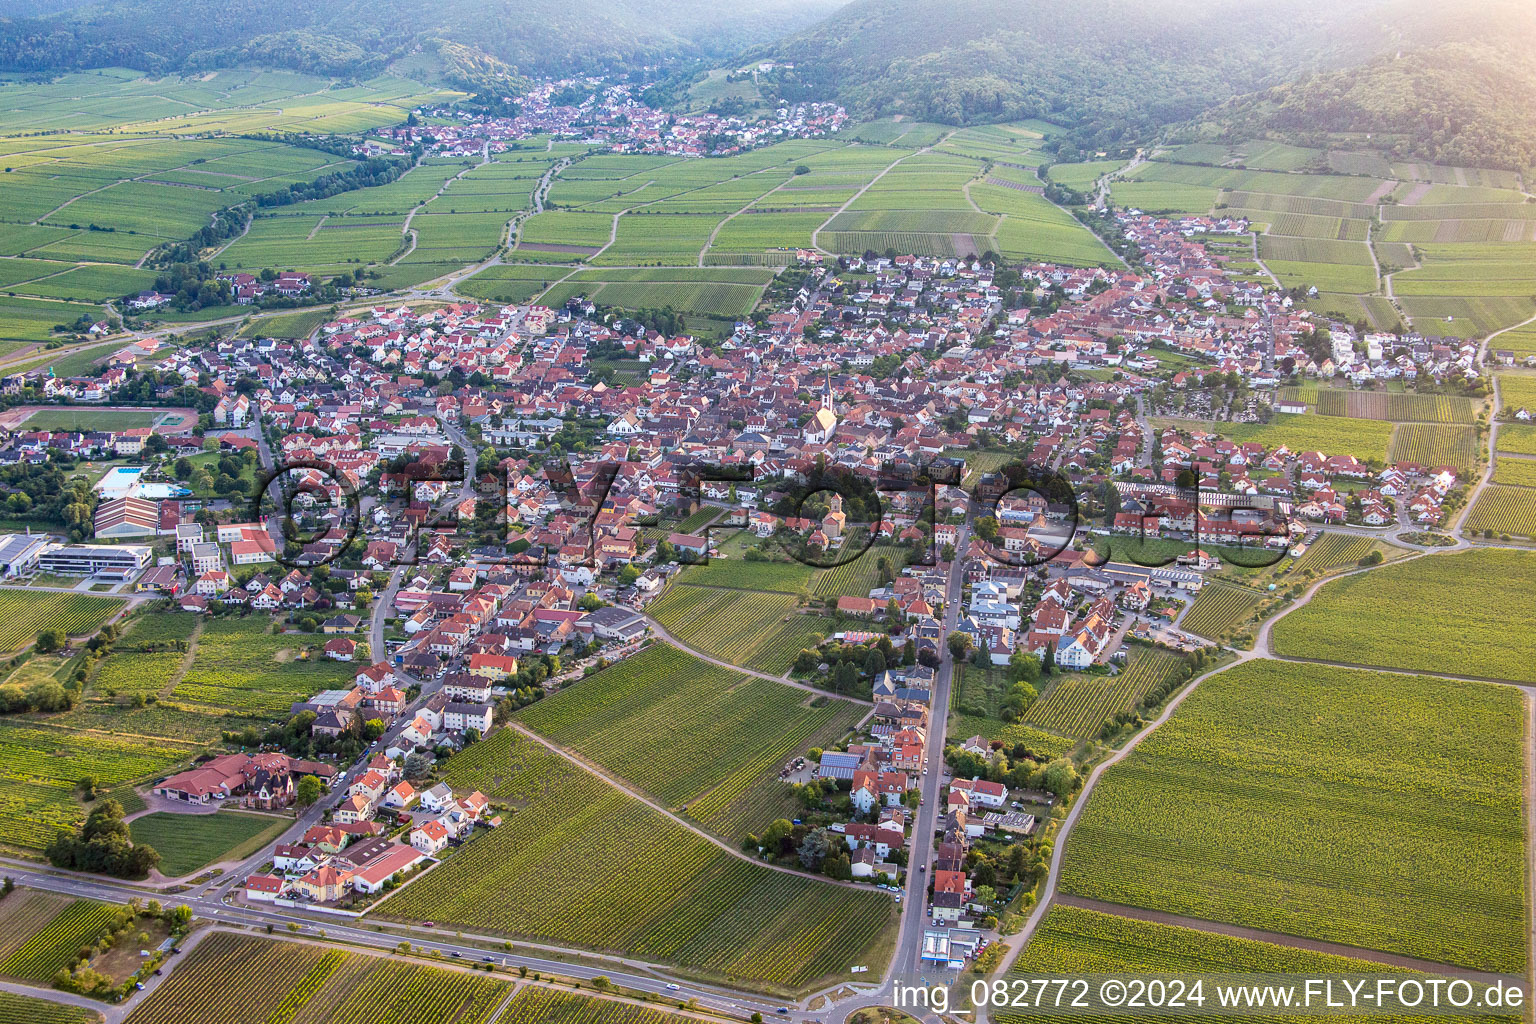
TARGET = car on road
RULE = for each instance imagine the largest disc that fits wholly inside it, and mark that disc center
(456, 955)
(673, 987)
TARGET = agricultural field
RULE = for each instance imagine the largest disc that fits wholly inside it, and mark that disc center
(1075, 942)
(1081, 177)
(856, 578)
(53, 946)
(241, 667)
(1220, 609)
(39, 768)
(1078, 705)
(509, 283)
(15, 1009)
(1422, 614)
(1400, 407)
(1379, 811)
(1517, 438)
(1516, 472)
(24, 320)
(187, 842)
(300, 324)
(23, 613)
(1432, 445)
(1505, 511)
(757, 630)
(724, 292)
(726, 734)
(1516, 392)
(229, 979)
(1332, 551)
(562, 868)
(1303, 432)
(537, 1005)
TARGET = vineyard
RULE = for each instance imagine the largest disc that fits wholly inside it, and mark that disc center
(725, 734)
(740, 574)
(1516, 472)
(537, 1005)
(1381, 811)
(1399, 407)
(1434, 445)
(228, 979)
(1424, 614)
(16, 1009)
(757, 629)
(1075, 942)
(581, 863)
(1331, 551)
(24, 913)
(24, 612)
(241, 667)
(1079, 704)
(858, 577)
(1220, 609)
(55, 946)
(1504, 510)
(39, 769)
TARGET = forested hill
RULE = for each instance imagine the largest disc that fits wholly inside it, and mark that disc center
(1115, 68)
(334, 36)
(1463, 104)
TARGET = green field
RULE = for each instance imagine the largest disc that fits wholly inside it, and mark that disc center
(1396, 406)
(1074, 942)
(241, 667)
(15, 1009)
(755, 629)
(24, 612)
(726, 734)
(1423, 614)
(76, 418)
(241, 978)
(1432, 445)
(54, 945)
(187, 842)
(564, 868)
(1303, 432)
(726, 292)
(1379, 811)
(1078, 705)
(1220, 609)
(1506, 511)
(1332, 551)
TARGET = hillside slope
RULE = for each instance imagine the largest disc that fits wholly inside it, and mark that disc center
(535, 36)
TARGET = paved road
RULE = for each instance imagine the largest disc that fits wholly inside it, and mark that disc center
(640, 975)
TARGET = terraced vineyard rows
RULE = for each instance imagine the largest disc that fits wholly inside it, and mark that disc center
(1079, 704)
(228, 979)
(861, 575)
(1292, 798)
(23, 613)
(1075, 942)
(1332, 550)
(759, 630)
(53, 947)
(1219, 609)
(724, 733)
(535, 1005)
(1504, 510)
(564, 868)
(1397, 406)
(1435, 445)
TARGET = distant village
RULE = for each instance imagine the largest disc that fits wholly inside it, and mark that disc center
(606, 115)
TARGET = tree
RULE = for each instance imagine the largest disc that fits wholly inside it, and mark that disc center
(986, 528)
(309, 790)
(1048, 663)
(417, 766)
(984, 895)
(1060, 777)
(874, 664)
(959, 645)
(51, 640)
(777, 832)
(373, 729)
(817, 845)
(1023, 667)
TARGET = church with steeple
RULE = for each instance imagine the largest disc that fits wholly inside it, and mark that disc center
(823, 423)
